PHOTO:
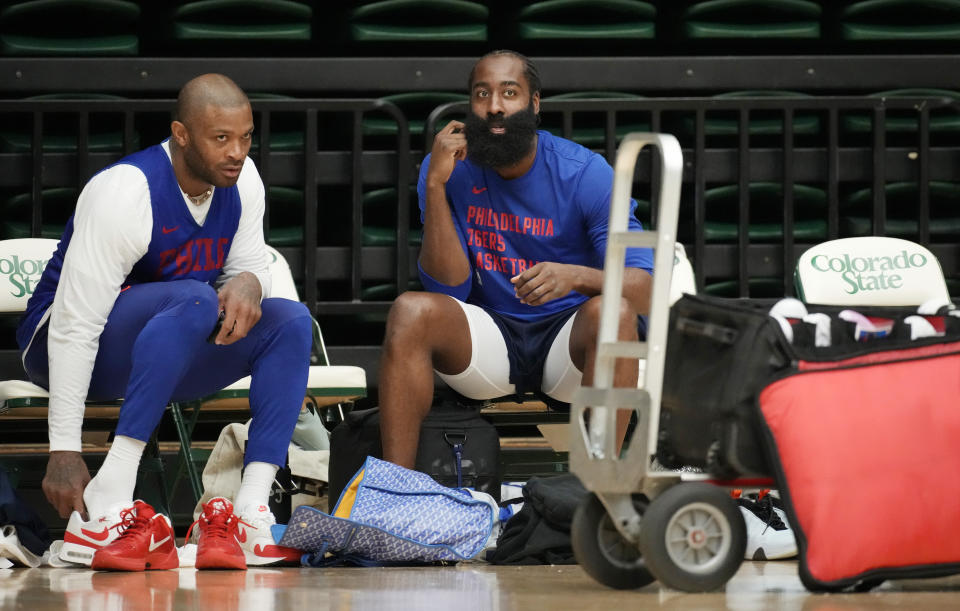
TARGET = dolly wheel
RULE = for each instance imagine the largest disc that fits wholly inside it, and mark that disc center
(602, 551)
(693, 537)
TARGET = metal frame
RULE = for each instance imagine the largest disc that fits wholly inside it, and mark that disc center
(594, 455)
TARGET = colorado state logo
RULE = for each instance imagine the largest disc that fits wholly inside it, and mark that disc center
(22, 275)
(869, 273)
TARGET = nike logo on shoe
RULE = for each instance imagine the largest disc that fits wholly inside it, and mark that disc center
(171, 230)
(96, 536)
(155, 544)
(277, 551)
(477, 191)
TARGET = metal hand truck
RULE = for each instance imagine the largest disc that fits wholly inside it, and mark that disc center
(639, 523)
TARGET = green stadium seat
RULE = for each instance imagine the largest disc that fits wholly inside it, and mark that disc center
(419, 21)
(243, 21)
(286, 131)
(387, 292)
(925, 20)
(286, 217)
(60, 131)
(416, 107)
(856, 216)
(70, 28)
(589, 128)
(379, 217)
(758, 287)
(753, 19)
(587, 20)
(57, 206)
(766, 213)
(762, 123)
(906, 121)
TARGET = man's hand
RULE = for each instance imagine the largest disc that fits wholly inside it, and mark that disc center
(545, 282)
(449, 146)
(64, 482)
(240, 303)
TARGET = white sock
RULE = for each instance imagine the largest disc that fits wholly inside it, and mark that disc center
(255, 486)
(116, 479)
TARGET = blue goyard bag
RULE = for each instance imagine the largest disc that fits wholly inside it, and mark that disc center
(388, 515)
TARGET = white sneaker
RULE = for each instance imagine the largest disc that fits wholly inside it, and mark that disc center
(82, 539)
(257, 541)
(12, 549)
(768, 535)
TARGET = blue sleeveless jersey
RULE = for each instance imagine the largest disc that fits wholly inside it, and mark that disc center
(179, 248)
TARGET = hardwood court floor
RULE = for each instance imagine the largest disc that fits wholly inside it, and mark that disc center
(470, 587)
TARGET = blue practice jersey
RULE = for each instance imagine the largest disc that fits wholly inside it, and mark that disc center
(179, 247)
(557, 211)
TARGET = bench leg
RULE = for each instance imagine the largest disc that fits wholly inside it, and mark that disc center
(187, 463)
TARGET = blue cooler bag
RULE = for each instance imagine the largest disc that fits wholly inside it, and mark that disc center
(389, 515)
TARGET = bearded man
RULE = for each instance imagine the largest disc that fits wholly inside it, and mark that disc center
(515, 230)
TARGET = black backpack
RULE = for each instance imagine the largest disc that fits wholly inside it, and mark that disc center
(458, 448)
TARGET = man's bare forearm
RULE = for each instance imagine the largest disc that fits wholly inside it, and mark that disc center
(636, 285)
(441, 255)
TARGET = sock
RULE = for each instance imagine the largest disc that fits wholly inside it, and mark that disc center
(116, 479)
(255, 486)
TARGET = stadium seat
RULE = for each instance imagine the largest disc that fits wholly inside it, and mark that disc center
(60, 129)
(419, 21)
(766, 213)
(924, 20)
(70, 28)
(752, 19)
(416, 106)
(582, 20)
(823, 276)
(243, 21)
(762, 123)
(286, 216)
(286, 131)
(942, 120)
(589, 127)
(380, 214)
(57, 206)
(856, 215)
(757, 287)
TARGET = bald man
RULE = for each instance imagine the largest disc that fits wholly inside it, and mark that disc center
(159, 291)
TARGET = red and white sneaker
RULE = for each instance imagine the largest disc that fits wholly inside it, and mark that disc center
(257, 541)
(146, 541)
(82, 539)
(217, 545)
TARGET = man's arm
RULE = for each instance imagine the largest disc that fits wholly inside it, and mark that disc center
(246, 276)
(547, 281)
(111, 232)
(441, 255)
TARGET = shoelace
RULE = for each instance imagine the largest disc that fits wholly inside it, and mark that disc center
(130, 524)
(220, 525)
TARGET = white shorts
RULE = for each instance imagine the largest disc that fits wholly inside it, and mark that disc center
(488, 374)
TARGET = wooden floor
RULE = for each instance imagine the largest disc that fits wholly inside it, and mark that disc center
(468, 587)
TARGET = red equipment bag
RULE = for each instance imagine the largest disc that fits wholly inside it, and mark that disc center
(866, 452)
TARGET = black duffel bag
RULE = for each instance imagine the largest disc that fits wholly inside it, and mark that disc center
(458, 448)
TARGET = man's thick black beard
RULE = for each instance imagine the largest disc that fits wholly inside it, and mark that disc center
(500, 150)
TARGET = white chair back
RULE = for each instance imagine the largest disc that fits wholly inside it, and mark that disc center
(870, 271)
(683, 279)
(282, 278)
(22, 261)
